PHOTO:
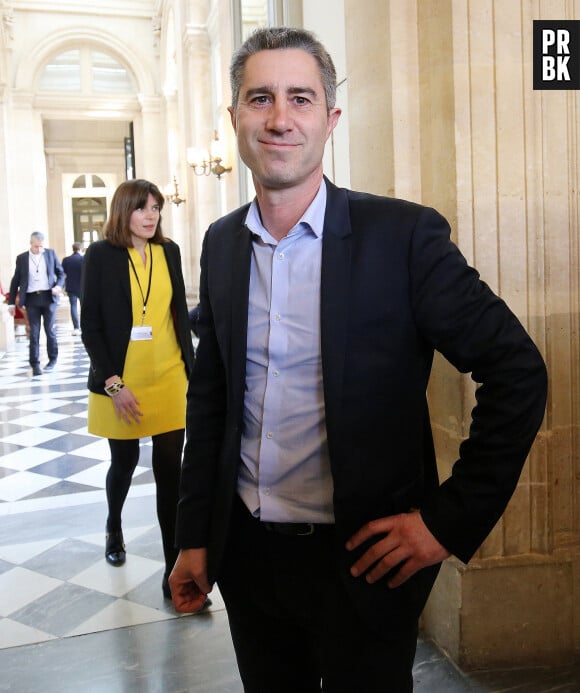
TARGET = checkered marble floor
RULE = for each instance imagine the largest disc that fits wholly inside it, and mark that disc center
(54, 580)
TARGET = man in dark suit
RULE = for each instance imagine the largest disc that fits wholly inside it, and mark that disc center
(72, 266)
(309, 482)
(38, 280)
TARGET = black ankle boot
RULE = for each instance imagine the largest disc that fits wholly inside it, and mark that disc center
(115, 548)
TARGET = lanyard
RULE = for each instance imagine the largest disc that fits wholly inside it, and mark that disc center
(145, 298)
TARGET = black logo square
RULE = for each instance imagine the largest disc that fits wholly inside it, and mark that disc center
(557, 54)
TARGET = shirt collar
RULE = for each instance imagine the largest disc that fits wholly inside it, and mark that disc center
(313, 217)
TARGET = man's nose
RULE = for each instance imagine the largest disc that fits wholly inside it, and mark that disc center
(279, 117)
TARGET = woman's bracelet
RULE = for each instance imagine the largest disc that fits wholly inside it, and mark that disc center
(114, 388)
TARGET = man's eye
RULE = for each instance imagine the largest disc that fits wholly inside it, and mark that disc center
(261, 99)
(301, 100)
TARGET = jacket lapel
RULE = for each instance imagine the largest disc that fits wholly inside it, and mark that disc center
(240, 278)
(122, 258)
(335, 281)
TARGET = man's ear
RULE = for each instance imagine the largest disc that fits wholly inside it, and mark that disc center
(232, 113)
(333, 116)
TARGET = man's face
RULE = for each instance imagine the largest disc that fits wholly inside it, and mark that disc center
(36, 246)
(281, 119)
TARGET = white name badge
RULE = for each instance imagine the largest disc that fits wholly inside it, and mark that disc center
(142, 333)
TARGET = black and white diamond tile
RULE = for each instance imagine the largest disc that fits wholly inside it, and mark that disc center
(53, 589)
(61, 586)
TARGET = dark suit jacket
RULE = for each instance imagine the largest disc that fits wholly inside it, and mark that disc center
(106, 311)
(19, 283)
(73, 266)
(393, 289)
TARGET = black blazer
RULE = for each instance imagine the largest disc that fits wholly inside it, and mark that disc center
(19, 283)
(106, 311)
(393, 289)
(73, 267)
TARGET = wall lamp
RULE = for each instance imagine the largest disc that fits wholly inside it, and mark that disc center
(171, 193)
(204, 163)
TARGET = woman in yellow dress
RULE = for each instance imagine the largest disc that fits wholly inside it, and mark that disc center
(135, 327)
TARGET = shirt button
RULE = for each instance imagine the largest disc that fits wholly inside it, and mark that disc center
(269, 434)
(277, 317)
(267, 491)
(276, 373)
(280, 256)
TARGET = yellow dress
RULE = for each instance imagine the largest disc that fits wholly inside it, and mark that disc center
(154, 369)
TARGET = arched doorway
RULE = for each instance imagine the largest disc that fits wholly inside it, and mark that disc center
(88, 208)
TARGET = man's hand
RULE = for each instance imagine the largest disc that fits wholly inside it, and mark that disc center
(188, 580)
(408, 546)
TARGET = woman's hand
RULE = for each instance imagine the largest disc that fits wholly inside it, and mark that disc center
(127, 406)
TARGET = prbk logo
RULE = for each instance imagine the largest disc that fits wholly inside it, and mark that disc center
(556, 54)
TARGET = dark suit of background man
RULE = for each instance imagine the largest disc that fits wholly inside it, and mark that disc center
(38, 280)
(72, 266)
(309, 481)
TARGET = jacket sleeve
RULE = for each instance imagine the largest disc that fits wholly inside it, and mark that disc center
(96, 327)
(58, 271)
(206, 414)
(15, 283)
(179, 307)
(475, 330)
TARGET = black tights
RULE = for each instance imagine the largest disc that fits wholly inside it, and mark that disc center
(167, 449)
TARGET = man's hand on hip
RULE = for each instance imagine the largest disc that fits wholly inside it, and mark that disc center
(404, 547)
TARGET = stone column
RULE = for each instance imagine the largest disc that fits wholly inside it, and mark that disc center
(6, 38)
(26, 165)
(203, 203)
(7, 259)
(150, 159)
(450, 83)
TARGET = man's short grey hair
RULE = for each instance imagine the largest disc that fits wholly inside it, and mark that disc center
(278, 38)
(36, 236)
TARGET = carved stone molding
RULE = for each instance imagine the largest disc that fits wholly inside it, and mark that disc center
(196, 39)
(7, 26)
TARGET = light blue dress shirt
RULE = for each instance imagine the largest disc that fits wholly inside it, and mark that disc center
(285, 471)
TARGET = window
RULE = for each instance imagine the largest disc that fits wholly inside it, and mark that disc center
(62, 73)
(86, 71)
(89, 216)
(109, 76)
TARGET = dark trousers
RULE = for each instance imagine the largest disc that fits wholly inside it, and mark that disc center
(40, 306)
(74, 309)
(294, 627)
(166, 462)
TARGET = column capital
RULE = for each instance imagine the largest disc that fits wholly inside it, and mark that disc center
(196, 39)
(22, 99)
(149, 104)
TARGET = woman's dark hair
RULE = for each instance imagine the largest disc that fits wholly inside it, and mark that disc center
(278, 38)
(129, 196)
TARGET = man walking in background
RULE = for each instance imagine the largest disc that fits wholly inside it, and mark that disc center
(72, 266)
(38, 280)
